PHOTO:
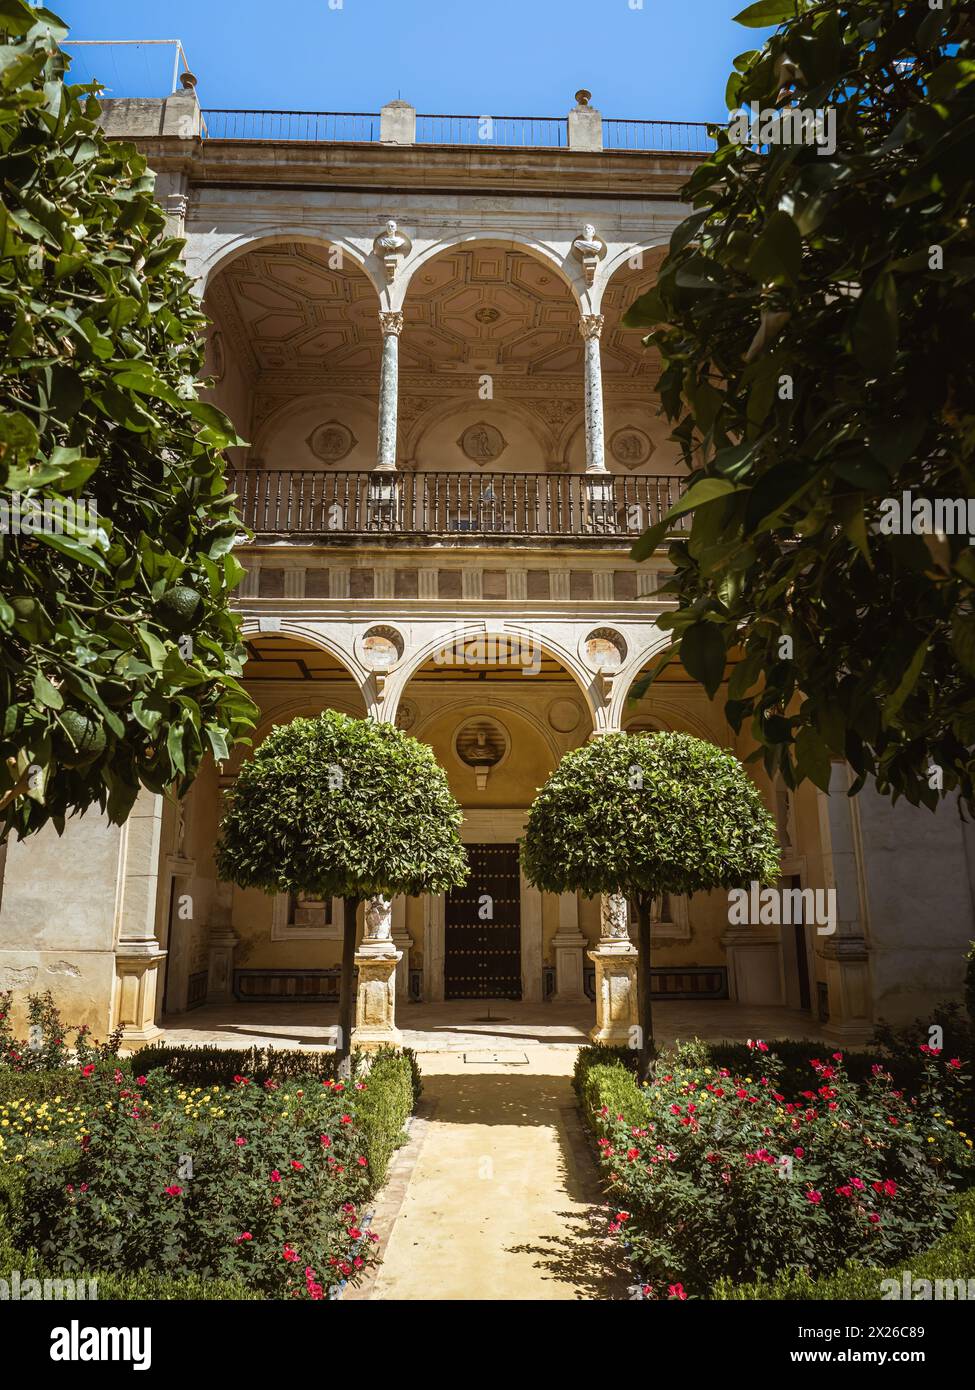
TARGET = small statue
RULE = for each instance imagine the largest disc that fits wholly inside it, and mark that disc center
(589, 249)
(391, 246)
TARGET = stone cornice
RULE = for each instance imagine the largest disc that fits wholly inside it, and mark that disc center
(423, 168)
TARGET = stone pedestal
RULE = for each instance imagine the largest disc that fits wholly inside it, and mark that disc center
(220, 968)
(375, 1005)
(585, 124)
(136, 981)
(754, 965)
(615, 960)
(376, 961)
(397, 123)
(848, 984)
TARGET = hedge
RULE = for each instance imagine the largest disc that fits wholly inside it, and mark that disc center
(390, 1085)
(665, 1151)
(952, 1257)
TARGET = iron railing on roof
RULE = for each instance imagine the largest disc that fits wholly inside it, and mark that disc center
(506, 132)
(451, 505)
(317, 126)
(537, 132)
(658, 137)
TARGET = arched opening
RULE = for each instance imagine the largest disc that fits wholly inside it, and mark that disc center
(294, 352)
(636, 435)
(695, 942)
(499, 713)
(233, 948)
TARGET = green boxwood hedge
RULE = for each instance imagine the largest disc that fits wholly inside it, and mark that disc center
(950, 1258)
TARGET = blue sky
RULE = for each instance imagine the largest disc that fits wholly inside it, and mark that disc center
(668, 60)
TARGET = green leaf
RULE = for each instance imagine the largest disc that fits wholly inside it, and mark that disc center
(766, 13)
(46, 694)
(812, 758)
(777, 257)
(646, 311)
(963, 640)
(875, 326)
(702, 650)
(74, 549)
(908, 681)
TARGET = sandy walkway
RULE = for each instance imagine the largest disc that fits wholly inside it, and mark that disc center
(495, 1195)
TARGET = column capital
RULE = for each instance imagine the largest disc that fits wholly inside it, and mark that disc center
(591, 326)
(391, 322)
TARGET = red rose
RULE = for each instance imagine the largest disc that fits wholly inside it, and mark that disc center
(174, 1191)
(814, 1197)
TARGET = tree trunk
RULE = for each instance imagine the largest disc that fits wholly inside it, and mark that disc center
(644, 998)
(347, 982)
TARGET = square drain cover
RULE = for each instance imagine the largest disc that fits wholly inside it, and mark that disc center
(501, 1059)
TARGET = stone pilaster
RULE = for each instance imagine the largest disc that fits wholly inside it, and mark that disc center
(615, 960)
(222, 941)
(568, 944)
(137, 951)
(376, 961)
(402, 941)
(844, 954)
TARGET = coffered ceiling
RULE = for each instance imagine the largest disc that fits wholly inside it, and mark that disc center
(475, 308)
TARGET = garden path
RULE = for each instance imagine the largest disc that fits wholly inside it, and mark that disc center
(495, 1196)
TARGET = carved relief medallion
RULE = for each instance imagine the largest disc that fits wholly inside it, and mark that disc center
(332, 441)
(631, 447)
(482, 442)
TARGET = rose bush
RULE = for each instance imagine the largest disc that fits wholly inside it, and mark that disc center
(260, 1183)
(718, 1173)
(47, 1046)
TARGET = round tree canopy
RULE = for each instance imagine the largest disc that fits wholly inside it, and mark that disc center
(340, 807)
(648, 814)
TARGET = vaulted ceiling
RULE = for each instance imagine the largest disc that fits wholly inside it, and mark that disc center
(475, 308)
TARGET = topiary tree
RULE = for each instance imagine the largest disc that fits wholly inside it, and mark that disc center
(643, 815)
(815, 320)
(346, 808)
(119, 654)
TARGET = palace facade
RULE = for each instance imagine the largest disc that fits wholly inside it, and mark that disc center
(453, 443)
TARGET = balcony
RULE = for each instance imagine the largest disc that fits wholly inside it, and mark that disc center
(452, 507)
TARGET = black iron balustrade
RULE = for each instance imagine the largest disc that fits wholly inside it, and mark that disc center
(503, 132)
(451, 505)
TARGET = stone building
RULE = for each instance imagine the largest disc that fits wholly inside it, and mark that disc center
(417, 324)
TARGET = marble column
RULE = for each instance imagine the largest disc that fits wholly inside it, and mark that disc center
(376, 961)
(615, 960)
(137, 951)
(391, 324)
(591, 327)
